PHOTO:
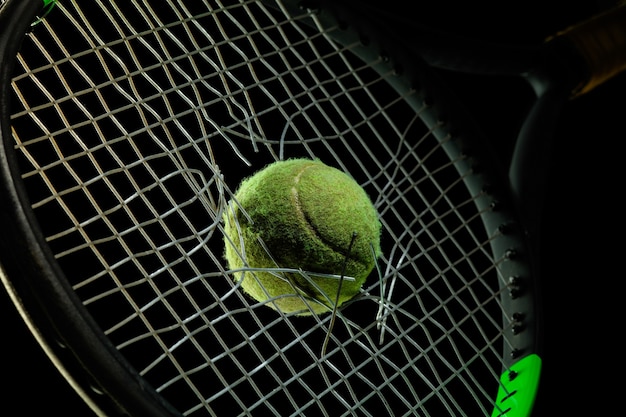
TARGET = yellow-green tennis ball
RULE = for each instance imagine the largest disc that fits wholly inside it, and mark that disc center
(301, 214)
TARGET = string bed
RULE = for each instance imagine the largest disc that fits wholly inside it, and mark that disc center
(134, 122)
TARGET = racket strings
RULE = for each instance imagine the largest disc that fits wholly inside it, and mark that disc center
(135, 124)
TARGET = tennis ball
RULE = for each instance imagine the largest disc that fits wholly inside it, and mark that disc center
(304, 215)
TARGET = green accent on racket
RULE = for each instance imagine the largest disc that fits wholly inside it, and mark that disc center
(48, 5)
(518, 388)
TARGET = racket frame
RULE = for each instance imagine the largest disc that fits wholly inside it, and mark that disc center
(78, 342)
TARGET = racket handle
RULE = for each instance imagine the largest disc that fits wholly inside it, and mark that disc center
(601, 42)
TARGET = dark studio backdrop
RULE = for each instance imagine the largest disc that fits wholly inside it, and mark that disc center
(581, 246)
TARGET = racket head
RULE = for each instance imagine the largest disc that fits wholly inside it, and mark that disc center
(116, 364)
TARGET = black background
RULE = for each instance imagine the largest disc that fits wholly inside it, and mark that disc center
(582, 245)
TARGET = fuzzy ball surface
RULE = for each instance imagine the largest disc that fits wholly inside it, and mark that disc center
(304, 215)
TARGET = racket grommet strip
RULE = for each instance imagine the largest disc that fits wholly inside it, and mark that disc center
(505, 229)
(516, 353)
(515, 291)
(311, 6)
(517, 328)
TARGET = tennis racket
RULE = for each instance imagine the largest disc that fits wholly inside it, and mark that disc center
(125, 128)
